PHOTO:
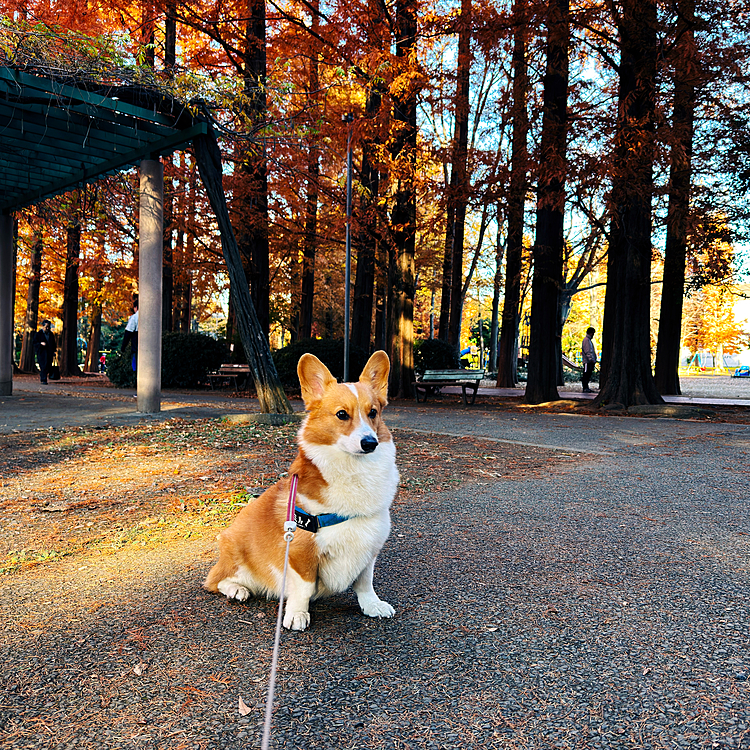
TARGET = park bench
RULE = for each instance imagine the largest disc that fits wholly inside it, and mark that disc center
(433, 380)
(227, 373)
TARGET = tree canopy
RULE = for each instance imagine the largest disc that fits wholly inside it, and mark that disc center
(451, 137)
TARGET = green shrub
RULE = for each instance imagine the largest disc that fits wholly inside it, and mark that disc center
(119, 369)
(434, 354)
(186, 359)
(329, 351)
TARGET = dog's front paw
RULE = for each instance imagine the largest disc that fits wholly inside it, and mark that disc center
(376, 608)
(296, 620)
(234, 591)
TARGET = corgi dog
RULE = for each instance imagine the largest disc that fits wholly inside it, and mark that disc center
(347, 480)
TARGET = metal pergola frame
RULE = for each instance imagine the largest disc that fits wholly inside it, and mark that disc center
(57, 133)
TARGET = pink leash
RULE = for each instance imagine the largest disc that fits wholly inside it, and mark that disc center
(289, 529)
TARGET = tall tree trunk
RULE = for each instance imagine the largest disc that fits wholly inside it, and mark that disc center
(507, 357)
(148, 33)
(170, 37)
(295, 283)
(666, 372)
(189, 260)
(545, 349)
(458, 192)
(253, 195)
(310, 242)
(95, 309)
(626, 352)
(255, 343)
(32, 308)
(446, 286)
(404, 214)
(95, 337)
(231, 324)
(170, 56)
(168, 249)
(381, 305)
(310, 245)
(368, 231)
(69, 338)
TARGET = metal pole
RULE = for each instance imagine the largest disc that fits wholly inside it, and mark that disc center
(349, 118)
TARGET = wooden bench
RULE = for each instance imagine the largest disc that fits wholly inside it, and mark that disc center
(228, 372)
(433, 380)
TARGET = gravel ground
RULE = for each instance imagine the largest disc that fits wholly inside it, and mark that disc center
(592, 593)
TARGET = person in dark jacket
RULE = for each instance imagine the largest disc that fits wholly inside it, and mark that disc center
(45, 347)
(588, 350)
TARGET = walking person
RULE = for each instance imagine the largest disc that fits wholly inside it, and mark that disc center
(45, 346)
(131, 336)
(589, 359)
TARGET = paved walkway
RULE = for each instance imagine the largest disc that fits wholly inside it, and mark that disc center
(73, 402)
(87, 402)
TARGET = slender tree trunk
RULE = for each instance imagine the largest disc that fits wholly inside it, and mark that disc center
(253, 195)
(32, 308)
(458, 192)
(507, 359)
(626, 352)
(310, 245)
(310, 242)
(295, 283)
(94, 343)
(446, 286)
(367, 235)
(148, 33)
(168, 249)
(69, 338)
(666, 373)
(381, 303)
(170, 47)
(544, 348)
(231, 324)
(404, 214)
(170, 38)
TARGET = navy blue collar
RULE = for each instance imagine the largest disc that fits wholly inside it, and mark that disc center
(307, 522)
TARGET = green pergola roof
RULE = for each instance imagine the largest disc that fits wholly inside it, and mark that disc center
(57, 134)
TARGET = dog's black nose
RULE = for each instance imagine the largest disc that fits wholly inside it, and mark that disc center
(368, 443)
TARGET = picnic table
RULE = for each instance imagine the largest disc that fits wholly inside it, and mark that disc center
(433, 380)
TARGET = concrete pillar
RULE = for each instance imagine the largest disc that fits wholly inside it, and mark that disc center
(6, 304)
(150, 239)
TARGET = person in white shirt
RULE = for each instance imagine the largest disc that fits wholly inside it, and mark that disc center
(589, 358)
(131, 336)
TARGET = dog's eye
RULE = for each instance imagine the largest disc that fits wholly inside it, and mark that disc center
(373, 413)
(342, 415)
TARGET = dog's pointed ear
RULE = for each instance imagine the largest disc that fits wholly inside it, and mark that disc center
(375, 375)
(314, 378)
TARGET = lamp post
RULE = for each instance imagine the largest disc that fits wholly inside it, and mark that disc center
(348, 119)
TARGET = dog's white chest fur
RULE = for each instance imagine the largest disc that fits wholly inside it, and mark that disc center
(362, 489)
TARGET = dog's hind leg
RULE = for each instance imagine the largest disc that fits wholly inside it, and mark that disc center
(239, 585)
(369, 602)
